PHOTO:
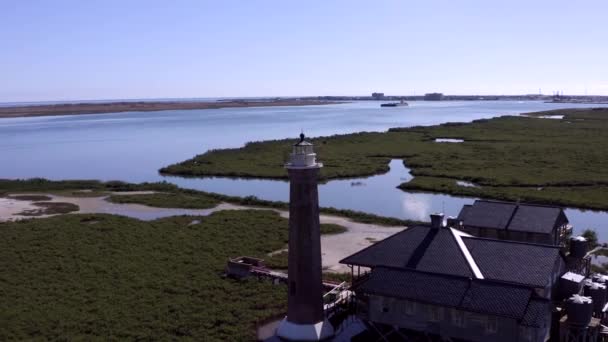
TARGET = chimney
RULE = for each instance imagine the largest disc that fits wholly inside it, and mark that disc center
(437, 220)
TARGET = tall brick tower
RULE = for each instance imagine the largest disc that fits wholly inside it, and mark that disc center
(305, 319)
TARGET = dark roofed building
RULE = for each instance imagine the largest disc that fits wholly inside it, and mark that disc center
(440, 281)
(449, 251)
(513, 221)
(458, 307)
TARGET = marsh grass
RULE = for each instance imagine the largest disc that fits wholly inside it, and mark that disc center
(103, 277)
(178, 195)
(509, 157)
(36, 198)
(172, 200)
(50, 208)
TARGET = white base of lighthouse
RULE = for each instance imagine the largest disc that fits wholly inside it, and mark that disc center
(305, 332)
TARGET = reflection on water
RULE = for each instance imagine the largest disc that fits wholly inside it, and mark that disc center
(448, 140)
(467, 184)
(377, 194)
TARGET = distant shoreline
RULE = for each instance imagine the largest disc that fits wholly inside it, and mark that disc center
(145, 106)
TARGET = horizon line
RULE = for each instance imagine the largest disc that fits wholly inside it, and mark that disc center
(151, 99)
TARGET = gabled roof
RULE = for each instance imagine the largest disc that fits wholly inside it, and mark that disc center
(451, 252)
(488, 214)
(475, 295)
(512, 216)
(536, 219)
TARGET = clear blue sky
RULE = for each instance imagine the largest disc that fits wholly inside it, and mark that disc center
(69, 50)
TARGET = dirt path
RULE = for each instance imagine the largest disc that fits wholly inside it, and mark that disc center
(333, 247)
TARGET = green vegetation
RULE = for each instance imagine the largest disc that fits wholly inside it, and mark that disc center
(174, 200)
(73, 187)
(36, 198)
(591, 197)
(331, 229)
(339, 277)
(50, 208)
(537, 160)
(277, 261)
(104, 277)
(591, 237)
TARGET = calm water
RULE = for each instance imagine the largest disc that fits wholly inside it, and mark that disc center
(378, 194)
(133, 146)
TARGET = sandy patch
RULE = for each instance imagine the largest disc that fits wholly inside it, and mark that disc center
(10, 208)
(335, 247)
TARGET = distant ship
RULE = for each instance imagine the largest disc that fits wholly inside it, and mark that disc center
(394, 104)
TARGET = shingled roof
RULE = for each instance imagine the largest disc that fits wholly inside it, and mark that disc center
(474, 295)
(517, 262)
(488, 214)
(420, 247)
(512, 216)
(451, 252)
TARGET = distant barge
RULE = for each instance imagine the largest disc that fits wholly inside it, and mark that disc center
(394, 104)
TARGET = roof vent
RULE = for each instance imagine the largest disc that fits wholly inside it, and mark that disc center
(436, 220)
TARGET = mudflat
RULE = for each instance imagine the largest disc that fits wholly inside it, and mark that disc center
(145, 106)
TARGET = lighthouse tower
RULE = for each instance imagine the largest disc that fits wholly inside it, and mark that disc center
(305, 319)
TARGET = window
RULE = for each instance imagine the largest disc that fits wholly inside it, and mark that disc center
(410, 308)
(491, 325)
(435, 313)
(458, 318)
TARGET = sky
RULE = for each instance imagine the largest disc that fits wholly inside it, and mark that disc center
(76, 50)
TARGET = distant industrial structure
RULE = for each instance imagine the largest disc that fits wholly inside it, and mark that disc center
(595, 99)
(433, 97)
(378, 96)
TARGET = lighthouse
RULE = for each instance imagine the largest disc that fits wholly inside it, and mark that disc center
(305, 319)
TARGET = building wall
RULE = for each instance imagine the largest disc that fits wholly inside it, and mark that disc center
(444, 321)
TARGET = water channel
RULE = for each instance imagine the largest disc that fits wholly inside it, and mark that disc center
(132, 146)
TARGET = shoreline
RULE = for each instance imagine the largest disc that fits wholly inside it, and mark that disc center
(335, 247)
(146, 106)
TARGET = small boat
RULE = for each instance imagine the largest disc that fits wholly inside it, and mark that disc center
(394, 104)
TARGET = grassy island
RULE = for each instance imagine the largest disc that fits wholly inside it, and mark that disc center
(560, 161)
